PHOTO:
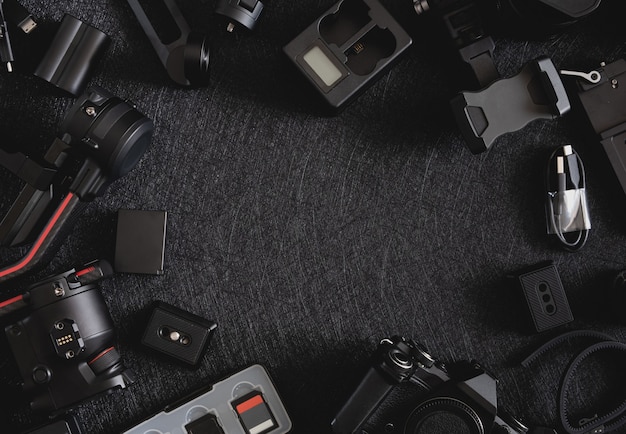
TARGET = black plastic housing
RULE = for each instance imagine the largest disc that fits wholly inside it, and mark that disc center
(65, 346)
(186, 56)
(508, 105)
(140, 241)
(66, 425)
(347, 49)
(462, 394)
(544, 297)
(72, 56)
(178, 334)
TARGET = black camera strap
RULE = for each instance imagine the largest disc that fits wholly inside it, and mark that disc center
(599, 423)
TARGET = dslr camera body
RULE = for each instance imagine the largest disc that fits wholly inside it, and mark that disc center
(63, 340)
(456, 398)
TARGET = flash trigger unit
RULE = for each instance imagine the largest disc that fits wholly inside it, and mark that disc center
(347, 49)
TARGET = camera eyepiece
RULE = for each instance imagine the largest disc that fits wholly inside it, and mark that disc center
(399, 357)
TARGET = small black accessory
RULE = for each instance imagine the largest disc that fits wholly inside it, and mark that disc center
(464, 24)
(19, 15)
(178, 334)
(544, 296)
(186, 57)
(597, 422)
(459, 397)
(65, 425)
(140, 241)
(243, 12)
(64, 344)
(566, 201)
(102, 138)
(6, 50)
(544, 14)
(207, 424)
(507, 105)
(347, 49)
(617, 297)
(72, 56)
(602, 94)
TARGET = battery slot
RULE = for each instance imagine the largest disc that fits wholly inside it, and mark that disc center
(376, 45)
(351, 17)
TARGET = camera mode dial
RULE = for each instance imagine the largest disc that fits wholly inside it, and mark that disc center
(399, 357)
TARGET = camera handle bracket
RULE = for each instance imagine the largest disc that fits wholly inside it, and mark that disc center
(185, 59)
(463, 23)
(604, 104)
(39, 176)
(508, 105)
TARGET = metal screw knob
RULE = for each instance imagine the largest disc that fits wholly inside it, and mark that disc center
(421, 6)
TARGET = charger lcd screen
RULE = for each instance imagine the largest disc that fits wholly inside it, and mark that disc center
(322, 65)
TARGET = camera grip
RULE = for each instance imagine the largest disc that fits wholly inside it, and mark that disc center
(362, 403)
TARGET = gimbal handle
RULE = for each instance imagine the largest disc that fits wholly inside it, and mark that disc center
(51, 234)
(28, 170)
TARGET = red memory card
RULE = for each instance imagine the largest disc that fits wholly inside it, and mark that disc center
(254, 413)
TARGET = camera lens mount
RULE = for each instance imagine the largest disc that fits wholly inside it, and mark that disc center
(442, 415)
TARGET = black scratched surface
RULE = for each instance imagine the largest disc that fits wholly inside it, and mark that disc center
(309, 238)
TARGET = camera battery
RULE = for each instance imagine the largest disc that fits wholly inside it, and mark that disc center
(178, 334)
(140, 242)
(544, 296)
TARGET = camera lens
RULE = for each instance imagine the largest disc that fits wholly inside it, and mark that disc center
(444, 415)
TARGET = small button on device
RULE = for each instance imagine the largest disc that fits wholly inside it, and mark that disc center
(41, 374)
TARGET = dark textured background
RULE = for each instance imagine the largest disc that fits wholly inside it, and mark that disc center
(309, 238)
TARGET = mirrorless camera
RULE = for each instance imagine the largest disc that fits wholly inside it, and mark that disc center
(63, 340)
(457, 398)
